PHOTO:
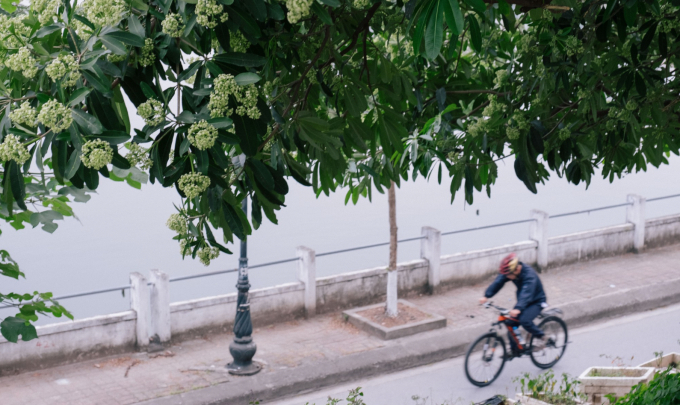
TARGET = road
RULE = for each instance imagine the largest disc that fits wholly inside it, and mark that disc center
(629, 340)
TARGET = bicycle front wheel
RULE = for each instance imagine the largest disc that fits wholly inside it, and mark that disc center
(485, 359)
(556, 333)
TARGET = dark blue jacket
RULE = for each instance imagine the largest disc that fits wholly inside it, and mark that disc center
(529, 287)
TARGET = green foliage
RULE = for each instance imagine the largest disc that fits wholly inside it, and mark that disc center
(29, 305)
(545, 387)
(354, 397)
(664, 389)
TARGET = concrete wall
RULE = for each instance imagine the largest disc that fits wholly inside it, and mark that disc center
(69, 342)
(589, 245)
(471, 267)
(105, 335)
(662, 231)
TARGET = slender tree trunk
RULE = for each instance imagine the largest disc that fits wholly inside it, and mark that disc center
(391, 307)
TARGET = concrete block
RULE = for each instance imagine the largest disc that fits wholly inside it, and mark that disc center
(539, 232)
(159, 293)
(609, 381)
(635, 214)
(431, 250)
(663, 362)
(139, 302)
(307, 275)
(434, 322)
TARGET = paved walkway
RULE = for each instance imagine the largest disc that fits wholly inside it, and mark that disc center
(195, 364)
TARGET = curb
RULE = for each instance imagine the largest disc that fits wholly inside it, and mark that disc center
(409, 352)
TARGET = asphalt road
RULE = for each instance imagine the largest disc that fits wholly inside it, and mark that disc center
(629, 340)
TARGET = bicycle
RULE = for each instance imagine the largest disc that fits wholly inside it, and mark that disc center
(486, 347)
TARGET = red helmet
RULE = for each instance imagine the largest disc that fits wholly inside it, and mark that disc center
(508, 264)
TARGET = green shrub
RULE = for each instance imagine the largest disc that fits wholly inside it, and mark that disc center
(664, 389)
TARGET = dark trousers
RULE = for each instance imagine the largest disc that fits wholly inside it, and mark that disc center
(526, 320)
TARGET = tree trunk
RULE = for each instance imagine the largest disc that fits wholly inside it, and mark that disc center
(391, 307)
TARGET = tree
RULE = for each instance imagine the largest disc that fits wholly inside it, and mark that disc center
(239, 95)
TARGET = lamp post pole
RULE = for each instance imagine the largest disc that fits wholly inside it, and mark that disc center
(243, 348)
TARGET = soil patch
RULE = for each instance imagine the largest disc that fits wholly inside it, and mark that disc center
(407, 315)
(616, 373)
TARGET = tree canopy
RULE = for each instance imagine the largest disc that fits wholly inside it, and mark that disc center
(238, 97)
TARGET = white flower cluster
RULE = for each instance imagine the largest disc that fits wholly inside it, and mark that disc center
(152, 112)
(96, 154)
(55, 116)
(574, 46)
(45, 9)
(207, 12)
(177, 223)
(23, 62)
(193, 184)
(138, 156)
(238, 42)
(362, 4)
(104, 12)
(12, 149)
(113, 58)
(173, 25)
(202, 135)
(183, 245)
(64, 65)
(207, 254)
(25, 114)
(147, 58)
(298, 9)
(246, 98)
(501, 77)
(20, 29)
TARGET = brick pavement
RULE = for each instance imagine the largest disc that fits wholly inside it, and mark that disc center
(196, 364)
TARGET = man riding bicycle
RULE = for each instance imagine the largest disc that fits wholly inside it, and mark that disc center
(531, 298)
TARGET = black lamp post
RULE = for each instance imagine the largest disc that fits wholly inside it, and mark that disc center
(243, 348)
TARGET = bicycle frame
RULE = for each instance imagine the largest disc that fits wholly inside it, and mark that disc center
(502, 320)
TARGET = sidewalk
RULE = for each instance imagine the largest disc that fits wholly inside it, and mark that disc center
(307, 354)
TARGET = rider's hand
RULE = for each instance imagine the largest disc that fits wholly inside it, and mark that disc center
(514, 313)
(483, 300)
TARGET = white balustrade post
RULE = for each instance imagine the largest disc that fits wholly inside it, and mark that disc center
(431, 249)
(307, 275)
(139, 302)
(160, 305)
(635, 214)
(539, 232)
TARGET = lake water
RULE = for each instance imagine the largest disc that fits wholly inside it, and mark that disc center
(122, 230)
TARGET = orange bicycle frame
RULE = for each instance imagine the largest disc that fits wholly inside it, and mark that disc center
(511, 332)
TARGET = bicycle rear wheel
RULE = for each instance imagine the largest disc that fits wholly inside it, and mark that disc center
(485, 359)
(556, 332)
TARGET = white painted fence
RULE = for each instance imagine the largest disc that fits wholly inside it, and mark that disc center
(152, 314)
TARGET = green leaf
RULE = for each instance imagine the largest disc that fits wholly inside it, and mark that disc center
(246, 22)
(261, 173)
(246, 78)
(72, 165)
(126, 38)
(332, 3)
(113, 137)
(136, 27)
(321, 12)
(89, 123)
(475, 33)
(640, 85)
(8, 5)
(355, 101)
(241, 59)
(221, 122)
(434, 33)
(113, 45)
(454, 17)
(78, 96)
(13, 327)
(247, 133)
(17, 183)
(188, 72)
(47, 30)
(257, 8)
(477, 5)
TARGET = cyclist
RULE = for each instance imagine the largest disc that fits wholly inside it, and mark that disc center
(530, 297)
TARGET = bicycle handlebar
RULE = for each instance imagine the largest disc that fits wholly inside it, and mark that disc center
(489, 304)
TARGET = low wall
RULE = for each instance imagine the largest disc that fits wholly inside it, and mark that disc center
(70, 342)
(471, 267)
(105, 335)
(662, 231)
(589, 245)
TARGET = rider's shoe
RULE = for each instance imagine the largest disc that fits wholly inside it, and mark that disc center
(539, 344)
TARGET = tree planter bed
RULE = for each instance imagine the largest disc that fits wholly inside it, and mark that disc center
(600, 381)
(527, 400)
(662, 363)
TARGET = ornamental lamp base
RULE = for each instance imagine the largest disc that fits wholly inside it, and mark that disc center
(243, 350)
